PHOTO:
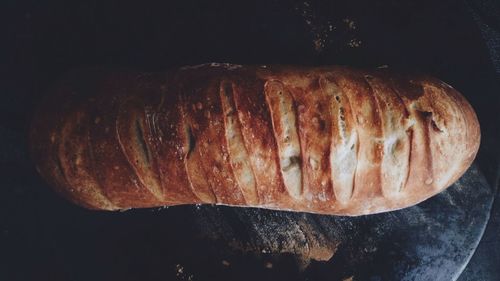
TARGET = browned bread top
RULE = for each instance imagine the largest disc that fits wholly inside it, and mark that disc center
(332, 140)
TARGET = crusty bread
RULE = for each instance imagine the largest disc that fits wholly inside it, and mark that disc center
(331, 140)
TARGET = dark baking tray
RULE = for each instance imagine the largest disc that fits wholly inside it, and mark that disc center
(46, 238)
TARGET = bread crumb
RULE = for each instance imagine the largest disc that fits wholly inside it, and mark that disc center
(327, 33)
(350, 23)
(180, 269)
(182, 274)
(225, 263)
(354, 43)
(269, 265)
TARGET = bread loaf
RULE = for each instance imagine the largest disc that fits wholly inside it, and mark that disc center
(330, 140)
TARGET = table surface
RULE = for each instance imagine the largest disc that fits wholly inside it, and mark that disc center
(48, 238)
(484, 264)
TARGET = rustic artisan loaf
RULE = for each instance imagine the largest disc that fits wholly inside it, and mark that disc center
(332, 140)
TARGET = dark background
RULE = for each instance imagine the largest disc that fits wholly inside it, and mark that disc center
(46, 238)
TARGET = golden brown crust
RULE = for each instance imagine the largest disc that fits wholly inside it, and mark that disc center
(120, 182)
(332, 140)
(47, 144)
(258, 136)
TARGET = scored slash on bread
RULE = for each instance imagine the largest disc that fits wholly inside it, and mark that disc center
(330, 140)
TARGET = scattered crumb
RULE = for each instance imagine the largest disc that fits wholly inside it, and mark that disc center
(349, 279)
(350, 23)
(159, 208)
(318, 30)
(327, 32)
(354, 43)
(225, 263)
(181, 273)
(269, 265)
(179, 269)
(319, 44)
